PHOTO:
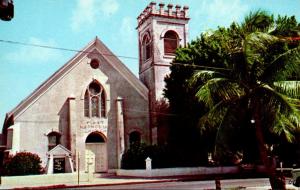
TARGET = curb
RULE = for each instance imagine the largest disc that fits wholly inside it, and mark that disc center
(94, 185)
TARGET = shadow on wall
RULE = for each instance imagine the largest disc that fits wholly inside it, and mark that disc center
(64, 127)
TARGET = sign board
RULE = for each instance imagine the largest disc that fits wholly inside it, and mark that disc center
(59, 165)
(94, 125)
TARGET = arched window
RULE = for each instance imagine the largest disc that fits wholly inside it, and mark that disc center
(134, 138)
(170, 42)
(94, 101)
(53, 140)
(146, 48)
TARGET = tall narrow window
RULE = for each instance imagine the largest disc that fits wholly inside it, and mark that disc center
(103, 113)
(94, 101)
(95, 106)
(170, 42)
(146, 48)
(86, 104)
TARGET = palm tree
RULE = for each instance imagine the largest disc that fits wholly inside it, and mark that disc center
(259, 85)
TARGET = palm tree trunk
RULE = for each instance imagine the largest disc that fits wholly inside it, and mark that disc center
(267, 162)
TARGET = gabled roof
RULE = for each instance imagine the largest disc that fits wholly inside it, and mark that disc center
(107, 55)
(115, 62)
(59, 150)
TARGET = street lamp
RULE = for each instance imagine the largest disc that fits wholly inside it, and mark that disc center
(252, 121)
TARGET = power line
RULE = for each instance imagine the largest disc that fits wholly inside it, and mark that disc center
(60, 48)
(200, 66)
(153, 112)
(107, 54)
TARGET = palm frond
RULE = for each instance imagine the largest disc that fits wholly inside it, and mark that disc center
(204, 94)
(284, 126)
(217, 89)
(203, 76)
(287, 117)
(270, 98)
(258, 21)
(289, 88)
(283, 66)
(213, 119)
(256, 46)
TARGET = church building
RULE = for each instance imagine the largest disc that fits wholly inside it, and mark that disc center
(94, 107)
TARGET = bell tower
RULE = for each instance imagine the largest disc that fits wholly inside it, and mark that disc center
(161, 29)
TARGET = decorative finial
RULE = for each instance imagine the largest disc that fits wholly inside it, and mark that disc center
(170, 6)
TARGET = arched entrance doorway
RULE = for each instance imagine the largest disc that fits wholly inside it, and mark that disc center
(96, 152)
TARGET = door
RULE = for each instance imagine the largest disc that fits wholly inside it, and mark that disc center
(96, 156)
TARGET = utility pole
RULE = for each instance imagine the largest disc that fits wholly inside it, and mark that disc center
(78, 163)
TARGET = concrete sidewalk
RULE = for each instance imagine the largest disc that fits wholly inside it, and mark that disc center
(115, 180)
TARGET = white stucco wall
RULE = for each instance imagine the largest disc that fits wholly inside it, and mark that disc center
(50, 110)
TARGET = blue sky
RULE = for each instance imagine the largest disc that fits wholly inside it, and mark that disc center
(72, 24)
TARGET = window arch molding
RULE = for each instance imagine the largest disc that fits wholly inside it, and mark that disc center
(163, 33)
(145, 34)
(134, 130)
(95, 137)
(101, 80)
(95, 100)
(146, 46)
(171, 42)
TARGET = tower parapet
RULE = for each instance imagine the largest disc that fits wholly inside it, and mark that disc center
(169, 12)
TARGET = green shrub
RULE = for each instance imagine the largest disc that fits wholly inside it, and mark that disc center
(135, 156)
(23, 163)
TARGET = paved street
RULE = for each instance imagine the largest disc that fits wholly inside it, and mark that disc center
(191, 185)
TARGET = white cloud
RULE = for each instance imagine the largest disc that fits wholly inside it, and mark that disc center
(84, 13)
(87, 12)
(221, 12)
(109, 7)
(127, 30)
(31, 54)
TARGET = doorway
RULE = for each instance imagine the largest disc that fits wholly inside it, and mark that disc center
(95, 152)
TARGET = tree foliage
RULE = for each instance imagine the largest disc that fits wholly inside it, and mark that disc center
(228, 77)
(23, 163)
(135, 156)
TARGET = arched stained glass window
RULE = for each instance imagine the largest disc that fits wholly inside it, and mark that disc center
(94, 101)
